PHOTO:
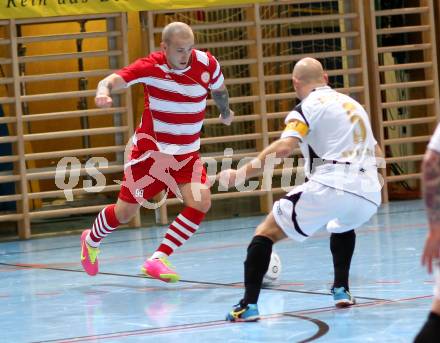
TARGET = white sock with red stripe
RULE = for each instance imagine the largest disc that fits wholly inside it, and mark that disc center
(180, 230)
(104, 224)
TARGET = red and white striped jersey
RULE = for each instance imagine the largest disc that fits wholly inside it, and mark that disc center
(175, 100)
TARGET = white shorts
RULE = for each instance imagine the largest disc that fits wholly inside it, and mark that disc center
(311, 206)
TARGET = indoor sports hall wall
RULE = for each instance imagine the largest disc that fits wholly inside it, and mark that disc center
(257, 46)
(404, 86)
(383, 53)
(50, 68)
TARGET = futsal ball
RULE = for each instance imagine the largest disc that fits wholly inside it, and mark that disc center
(274, 271)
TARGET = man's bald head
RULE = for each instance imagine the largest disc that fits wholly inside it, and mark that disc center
(309, 70)
(177, 29)
(307, 75)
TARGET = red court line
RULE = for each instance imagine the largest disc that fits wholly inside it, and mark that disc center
(9, 269)
(48, 294)
(45, 266)
(140, 332)
(378, 303)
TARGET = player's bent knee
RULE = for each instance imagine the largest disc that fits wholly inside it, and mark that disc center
(203, 206)
(201, 203)
(270, 229)
(125, 212)
(124, 216)
(206, 206)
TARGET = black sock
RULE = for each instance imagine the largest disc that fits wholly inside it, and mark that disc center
(430, 332)
(342, 248)
(255, 267)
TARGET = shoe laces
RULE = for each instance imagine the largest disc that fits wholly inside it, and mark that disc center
(165, 261)
(238, 310)
(344, 290)
(93, 253)
(241, 306)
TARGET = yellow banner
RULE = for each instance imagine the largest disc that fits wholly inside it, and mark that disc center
(47, 8)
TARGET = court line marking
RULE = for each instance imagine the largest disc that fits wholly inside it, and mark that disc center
(141, 276)
(323, 327)
(319, 235)
(172, 328)
(216, 323)
(365, 231)
(236, 285)
(375, 228)
(114, 242)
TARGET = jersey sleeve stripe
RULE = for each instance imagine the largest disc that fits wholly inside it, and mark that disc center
(202, 57)
(298, 109)
(217, 70)
(218, 83)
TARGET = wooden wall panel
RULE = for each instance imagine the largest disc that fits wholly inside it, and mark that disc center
(384, 56)
(406, 84)
(51, 81)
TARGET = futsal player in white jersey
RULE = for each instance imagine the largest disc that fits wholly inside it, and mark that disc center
(165, 151)
(430, 332)
(342, 191)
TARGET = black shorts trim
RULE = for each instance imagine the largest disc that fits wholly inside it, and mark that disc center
(294, 198)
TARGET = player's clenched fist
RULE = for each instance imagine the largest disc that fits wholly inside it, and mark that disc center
(227, 120)
(103, 101)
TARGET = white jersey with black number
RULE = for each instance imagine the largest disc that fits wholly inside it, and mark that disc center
(337, 142)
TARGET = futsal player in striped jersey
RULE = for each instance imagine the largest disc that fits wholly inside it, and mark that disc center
(165, 152)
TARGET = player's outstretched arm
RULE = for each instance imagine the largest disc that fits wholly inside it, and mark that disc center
(431, 194)
(273, 154)
(105, 87)
(221, 99)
